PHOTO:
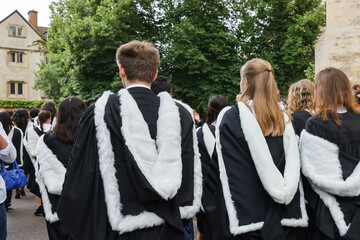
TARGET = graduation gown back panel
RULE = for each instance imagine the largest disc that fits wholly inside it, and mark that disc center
(82, 207)
(339, 148)
(254, 208)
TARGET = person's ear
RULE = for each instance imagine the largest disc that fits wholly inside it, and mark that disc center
(122, 71)
(156, 74)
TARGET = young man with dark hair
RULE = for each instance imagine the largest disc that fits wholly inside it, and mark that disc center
(135, 171)
(161, 84)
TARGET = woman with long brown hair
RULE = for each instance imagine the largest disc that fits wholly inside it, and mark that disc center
(257, 194)
(301, 103)
(330, 155)
(53, 152)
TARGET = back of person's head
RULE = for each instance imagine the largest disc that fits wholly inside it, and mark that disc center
(216, 104)
(43, 117)
(260, 88)
(21, 118)
(355, 87)
(140, 60)
(301, 96)
(11, 113)
(34, 112)
(51, 107)
(6, 121)
(69, 114)
(161, 84)
(333, 90)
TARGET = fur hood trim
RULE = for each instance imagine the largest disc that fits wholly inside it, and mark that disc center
(281, 189)
(188, 212)
(160, 160)
(321, 164)
(209, 139)
(117, 220)
(50, 175)
(234, 226)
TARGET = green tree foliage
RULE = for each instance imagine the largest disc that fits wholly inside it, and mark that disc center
(202, 43)
(83, 38)
(201, 58)
(282, 32)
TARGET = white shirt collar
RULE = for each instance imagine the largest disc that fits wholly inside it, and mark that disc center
(341, 110)
(138, 85)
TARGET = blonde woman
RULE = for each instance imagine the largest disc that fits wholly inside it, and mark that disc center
(301, 103)
(330, 155)
(257, 195)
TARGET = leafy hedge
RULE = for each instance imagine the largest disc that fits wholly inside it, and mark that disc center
(21, 104)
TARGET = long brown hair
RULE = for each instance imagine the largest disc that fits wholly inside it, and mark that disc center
(261, 89)
(301, 96)
(333, 90)
(69, 114)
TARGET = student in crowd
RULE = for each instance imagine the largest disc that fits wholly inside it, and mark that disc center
(257, 193)
(301, 103)
(53, 152)
(134, 172)
(31, 139)
(33, 113)
(16, 137)
(206, 142)
(330, 155)
(7, 155)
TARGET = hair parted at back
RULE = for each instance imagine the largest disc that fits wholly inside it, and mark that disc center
(261, 89)
(140, 60)
(333, 90)
(301, 96)
(68, 117)
(43, 116)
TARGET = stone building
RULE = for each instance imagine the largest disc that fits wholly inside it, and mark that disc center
(339, 44)
(20, 54)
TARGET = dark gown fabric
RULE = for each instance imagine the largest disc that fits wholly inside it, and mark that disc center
(252, 203)
(299, 121)
(82, 208)
(347, 138)
(62, 151)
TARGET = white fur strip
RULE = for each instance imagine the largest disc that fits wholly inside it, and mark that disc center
(40, 179)
(234, 226)
(320, 163)
(281, 189)
(334, 209)
(209, 139)
(161, 165)
(112, 195)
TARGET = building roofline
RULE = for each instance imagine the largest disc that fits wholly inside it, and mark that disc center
(16, 11)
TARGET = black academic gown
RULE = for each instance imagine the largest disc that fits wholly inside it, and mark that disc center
(52, 158)
(299, 121)
(330, 155)
(83, 209)
(249, 211)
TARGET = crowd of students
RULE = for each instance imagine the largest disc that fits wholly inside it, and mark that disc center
(139, 164)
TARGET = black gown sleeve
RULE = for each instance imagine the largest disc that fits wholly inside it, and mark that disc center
(82, 209)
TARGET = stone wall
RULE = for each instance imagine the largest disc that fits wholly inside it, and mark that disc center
(339, 44)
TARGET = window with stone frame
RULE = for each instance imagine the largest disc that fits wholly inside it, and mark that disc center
(16, 88)
(16, 57)
(16, 31)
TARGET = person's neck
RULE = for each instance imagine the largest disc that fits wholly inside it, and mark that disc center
(129, 83)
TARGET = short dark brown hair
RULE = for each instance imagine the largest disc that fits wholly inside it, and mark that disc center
(140, 60)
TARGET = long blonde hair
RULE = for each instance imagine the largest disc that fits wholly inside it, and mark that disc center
(333, 90)
(301, 96)
(261, 89)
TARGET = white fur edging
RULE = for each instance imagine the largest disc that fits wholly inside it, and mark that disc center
(50, 175)
(235, 229)
(320, 163)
